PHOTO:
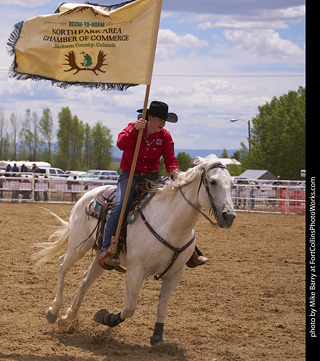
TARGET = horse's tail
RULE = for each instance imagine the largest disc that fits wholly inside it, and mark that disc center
(56, 241)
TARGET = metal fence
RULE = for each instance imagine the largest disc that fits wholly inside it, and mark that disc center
(32, 188)
(287, 197)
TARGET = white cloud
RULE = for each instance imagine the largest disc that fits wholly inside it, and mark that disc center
(253, 7)
(264, 43)
(235, 24)
(266, 19)
(169, 43)
(169, 38)
(256, 34)
(23, 3)
(290, 13)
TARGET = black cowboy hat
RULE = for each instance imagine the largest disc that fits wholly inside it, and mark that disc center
(160, 109)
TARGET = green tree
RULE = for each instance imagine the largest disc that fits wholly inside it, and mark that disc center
(70, 140)
(46, 130)
(224, 153)
(278, 137)
(184, 161)
(163, 171)
(87, 147)
(29, 136)
(2, 132)
(101, 147)
(63, 135)
(15, 129)
(79, 146)
(76, 142)
(4, 138)
(36, 139)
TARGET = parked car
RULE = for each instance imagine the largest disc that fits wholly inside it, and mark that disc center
(53, 172)
(49, 172)
(56, 178)
(99, 177)
(75, 173)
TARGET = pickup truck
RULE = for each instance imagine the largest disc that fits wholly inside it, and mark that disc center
(99, 177)
(52, 172)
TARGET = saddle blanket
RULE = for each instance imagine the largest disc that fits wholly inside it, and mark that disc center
(104, 198)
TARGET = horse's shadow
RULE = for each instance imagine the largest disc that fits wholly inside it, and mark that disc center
(104, 344)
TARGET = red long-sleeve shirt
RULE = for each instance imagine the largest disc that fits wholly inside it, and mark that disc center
(161, 144)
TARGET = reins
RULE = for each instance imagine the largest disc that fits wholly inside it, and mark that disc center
(198, 210)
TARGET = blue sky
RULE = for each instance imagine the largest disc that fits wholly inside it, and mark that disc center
(215, 60)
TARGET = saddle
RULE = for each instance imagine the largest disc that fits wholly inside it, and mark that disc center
(100, 202)
(100, 207)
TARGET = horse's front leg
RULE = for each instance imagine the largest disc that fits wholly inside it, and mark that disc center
(169, 284)
(134, 279)
(93, 273)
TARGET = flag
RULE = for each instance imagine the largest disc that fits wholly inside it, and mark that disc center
(108, 47)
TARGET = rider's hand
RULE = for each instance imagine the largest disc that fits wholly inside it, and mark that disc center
(141, 124)
(174, 175)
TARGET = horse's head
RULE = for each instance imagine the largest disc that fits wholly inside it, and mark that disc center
(215, 190)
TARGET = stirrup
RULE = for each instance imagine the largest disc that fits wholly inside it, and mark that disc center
(112, 262)
(197, 260)
(110, 268)
(107, 261)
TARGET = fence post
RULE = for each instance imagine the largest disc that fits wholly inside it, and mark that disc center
(287, 200)
(32, 187)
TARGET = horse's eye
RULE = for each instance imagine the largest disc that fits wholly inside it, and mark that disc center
(213, 182)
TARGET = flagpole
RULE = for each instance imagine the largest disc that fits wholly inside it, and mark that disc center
(156, 22)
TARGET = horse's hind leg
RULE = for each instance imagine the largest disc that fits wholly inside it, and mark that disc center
(93, 272)
(65, 262)
(168, 286)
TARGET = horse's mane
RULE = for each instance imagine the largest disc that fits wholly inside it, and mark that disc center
(186, 177)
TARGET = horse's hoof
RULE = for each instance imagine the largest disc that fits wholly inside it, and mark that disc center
(100, 316)
(50, 316)
(156, 340)
(63, 323)
(67, 325)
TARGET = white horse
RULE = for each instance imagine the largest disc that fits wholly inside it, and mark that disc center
(170, 217)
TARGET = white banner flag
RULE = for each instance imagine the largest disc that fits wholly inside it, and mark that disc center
(89, 44)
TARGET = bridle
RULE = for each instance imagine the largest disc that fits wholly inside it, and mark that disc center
(204, 181)
(178, 250)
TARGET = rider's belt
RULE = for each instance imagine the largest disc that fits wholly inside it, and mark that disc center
(153, 175)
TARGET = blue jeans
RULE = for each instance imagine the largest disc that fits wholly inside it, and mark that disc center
(114, 215)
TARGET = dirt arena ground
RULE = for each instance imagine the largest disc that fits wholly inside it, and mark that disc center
(247, 304)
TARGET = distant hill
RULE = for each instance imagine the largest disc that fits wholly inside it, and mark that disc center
(192, 152)
(204, 152)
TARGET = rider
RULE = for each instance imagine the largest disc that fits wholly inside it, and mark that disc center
(156, 142)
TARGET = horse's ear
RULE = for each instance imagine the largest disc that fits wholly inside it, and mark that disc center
(198, 160)
(210, 158)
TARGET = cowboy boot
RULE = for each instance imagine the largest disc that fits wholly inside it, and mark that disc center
(108, 258)
(197, 260)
